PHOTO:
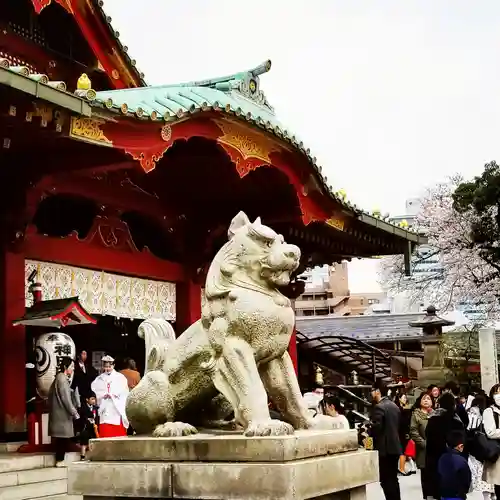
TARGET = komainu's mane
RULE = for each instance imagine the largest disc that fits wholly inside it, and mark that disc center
(220, 274)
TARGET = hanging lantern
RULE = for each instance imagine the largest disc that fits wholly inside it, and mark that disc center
(50, 349)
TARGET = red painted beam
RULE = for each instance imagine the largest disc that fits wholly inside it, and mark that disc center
(72, 252)
(121, 197)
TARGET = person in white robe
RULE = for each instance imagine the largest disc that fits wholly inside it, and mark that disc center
(111, 390)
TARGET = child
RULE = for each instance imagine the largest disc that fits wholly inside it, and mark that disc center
(89, 416)
(454, 473)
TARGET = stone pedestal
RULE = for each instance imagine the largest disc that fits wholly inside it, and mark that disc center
(488, 357)
(325, 465)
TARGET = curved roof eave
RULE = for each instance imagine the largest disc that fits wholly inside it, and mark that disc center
(238, 95)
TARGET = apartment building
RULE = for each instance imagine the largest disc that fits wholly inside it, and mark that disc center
(327, 293)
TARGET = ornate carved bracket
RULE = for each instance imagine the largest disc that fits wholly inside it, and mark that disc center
(109, 231)
(248, 150)
(89, 130)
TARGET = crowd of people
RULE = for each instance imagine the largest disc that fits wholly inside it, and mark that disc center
(84, 404)
(454, 440)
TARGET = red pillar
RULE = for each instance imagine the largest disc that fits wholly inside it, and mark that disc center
(292, 350)
(12, 344)
(292, 346)
(188, 305)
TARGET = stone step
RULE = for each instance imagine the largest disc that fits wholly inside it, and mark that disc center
(61, 497)
(11, 447)
(32, 476)
(11, 462)
(35, 490)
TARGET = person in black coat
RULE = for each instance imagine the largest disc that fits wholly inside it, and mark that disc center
(441, 423)
(384, 429)
(401, 401)
(454, 389)
(84, 375)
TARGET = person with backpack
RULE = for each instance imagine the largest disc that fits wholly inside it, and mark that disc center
(491, 423)
(475, 414)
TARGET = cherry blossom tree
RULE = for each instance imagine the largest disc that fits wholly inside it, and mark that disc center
(461, 275)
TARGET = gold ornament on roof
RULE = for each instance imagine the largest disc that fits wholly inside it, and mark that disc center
(342, 194)
(377, 212)
(84, 82)
(404, 223)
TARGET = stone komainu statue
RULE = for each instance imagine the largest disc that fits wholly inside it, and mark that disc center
(235, 355)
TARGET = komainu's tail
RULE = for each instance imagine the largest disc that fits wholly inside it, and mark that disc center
(158, 334)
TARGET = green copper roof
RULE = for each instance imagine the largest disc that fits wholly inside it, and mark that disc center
(239, 94)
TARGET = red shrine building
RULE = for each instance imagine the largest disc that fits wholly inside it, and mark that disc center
(120, 193)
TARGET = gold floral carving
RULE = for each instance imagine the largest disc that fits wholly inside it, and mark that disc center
(89, 130)
(246, 142)
(336, 223)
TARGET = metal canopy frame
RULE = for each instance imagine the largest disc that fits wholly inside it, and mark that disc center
(368, 361)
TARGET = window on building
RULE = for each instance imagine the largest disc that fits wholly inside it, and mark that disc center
(322, 312)
(373, 301)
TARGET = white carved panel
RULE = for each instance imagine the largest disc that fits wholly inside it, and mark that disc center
(104, 293)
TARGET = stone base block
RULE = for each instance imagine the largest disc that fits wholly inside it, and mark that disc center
(259, 468)
(224, 448)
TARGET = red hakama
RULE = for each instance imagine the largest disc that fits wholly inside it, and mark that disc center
(110, 430)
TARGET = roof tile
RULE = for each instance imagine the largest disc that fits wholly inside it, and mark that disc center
(376, 327)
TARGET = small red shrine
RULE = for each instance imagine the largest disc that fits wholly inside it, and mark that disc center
(121, 194)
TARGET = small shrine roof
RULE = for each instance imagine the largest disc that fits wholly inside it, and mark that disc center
(57, 312)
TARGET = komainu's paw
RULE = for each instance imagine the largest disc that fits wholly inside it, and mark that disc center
(174, 429)
(269, 428)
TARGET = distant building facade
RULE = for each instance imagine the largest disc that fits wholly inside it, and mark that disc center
(327, 294)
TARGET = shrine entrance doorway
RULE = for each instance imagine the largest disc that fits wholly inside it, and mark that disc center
(114, 336)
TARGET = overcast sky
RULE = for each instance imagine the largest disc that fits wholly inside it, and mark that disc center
(391, 96)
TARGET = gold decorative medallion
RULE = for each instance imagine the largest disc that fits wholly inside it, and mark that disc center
(89, 130)
(166, 132)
